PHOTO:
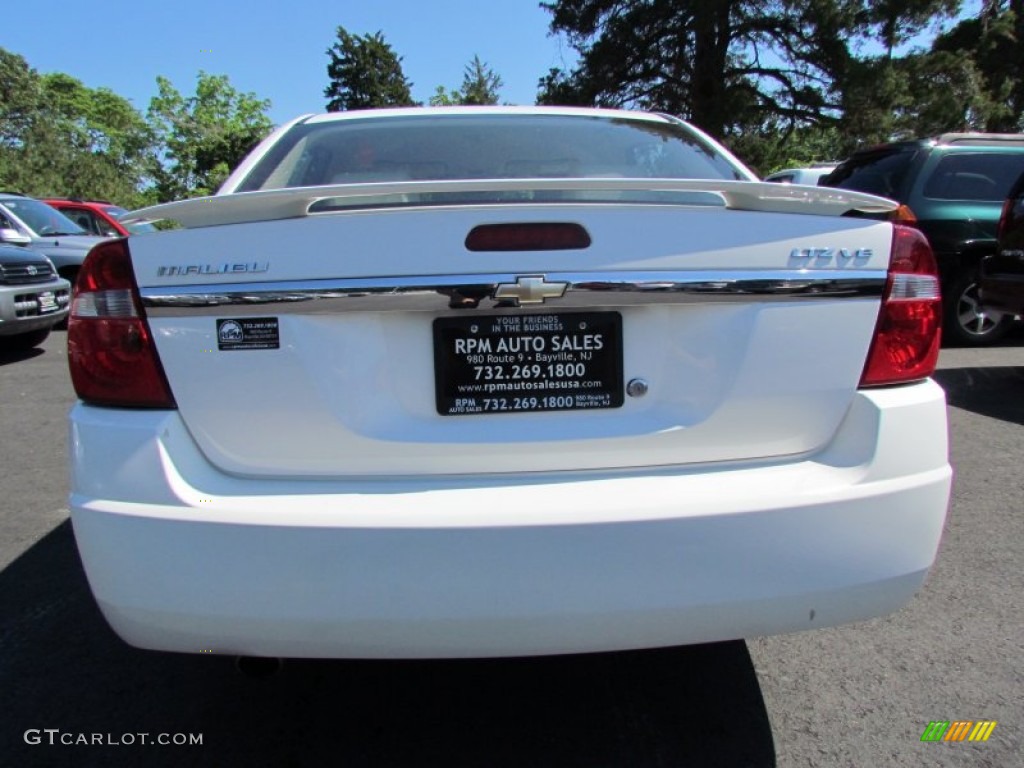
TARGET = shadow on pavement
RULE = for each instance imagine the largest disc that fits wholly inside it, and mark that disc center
(8, 356)
(994, 392)
(62, 667)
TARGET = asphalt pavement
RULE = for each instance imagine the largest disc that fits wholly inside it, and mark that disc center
(858, 695)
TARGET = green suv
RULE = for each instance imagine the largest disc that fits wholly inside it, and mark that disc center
(954, 185)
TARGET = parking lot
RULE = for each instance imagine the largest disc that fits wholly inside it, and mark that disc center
(859, 695)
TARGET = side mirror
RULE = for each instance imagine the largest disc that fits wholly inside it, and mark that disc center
(14, 237)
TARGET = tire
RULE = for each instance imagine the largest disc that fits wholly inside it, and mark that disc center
(24, 341)
(965, 322)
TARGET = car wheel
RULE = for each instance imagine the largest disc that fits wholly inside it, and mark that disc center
(967, 322)
(24, 341)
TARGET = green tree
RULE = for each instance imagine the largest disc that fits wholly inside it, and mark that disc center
(480, 84)
(879, 90)
(894, 22)
(728, 65)
(19, 97)
(994, 43)
(772, 78)
(771, 148)
(109, 134)
(202, 137)
(445, 98)
(59, 137)
(365, 72)
(971, 79)
(944, 92)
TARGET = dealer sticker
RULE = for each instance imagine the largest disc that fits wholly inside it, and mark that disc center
(248, 333)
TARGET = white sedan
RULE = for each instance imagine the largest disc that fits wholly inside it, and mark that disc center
(495, 382)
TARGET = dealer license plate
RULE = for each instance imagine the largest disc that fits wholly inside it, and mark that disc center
(525, 363)
(47, 302)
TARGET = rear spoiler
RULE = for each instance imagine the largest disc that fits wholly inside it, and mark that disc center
(296, 202)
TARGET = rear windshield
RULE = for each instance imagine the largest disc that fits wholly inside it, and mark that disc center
(877, 173)
(975, 177)
(456, 147)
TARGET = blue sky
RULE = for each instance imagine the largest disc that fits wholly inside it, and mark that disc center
(277, 49)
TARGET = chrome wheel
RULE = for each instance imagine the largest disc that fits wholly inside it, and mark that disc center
(968, 322)
(974, 318)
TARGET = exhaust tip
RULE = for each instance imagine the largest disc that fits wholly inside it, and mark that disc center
(258, 667)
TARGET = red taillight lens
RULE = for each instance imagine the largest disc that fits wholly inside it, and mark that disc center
(909, 330)
(110, 350)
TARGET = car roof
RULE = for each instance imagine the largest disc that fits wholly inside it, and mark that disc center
(946, 139)
(75, 200)
(981, 139)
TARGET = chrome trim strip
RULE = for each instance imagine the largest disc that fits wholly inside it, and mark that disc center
(462, 292)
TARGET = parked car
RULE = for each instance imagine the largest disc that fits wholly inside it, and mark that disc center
(32, 298)
(33, 224)
(98, 217)
(954, 185)
(571, 380)
(810, 176)
(1002, 273)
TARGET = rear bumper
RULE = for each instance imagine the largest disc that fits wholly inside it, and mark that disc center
(181, 557)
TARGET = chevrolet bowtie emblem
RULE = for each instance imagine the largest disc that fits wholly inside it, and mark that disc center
(530, 290)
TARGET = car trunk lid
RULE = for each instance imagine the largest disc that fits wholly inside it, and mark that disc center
(327, 345)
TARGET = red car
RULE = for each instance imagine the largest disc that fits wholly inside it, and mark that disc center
(98, 217)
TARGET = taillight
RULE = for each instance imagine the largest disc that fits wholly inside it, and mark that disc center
(909, 330)
(110, 349)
